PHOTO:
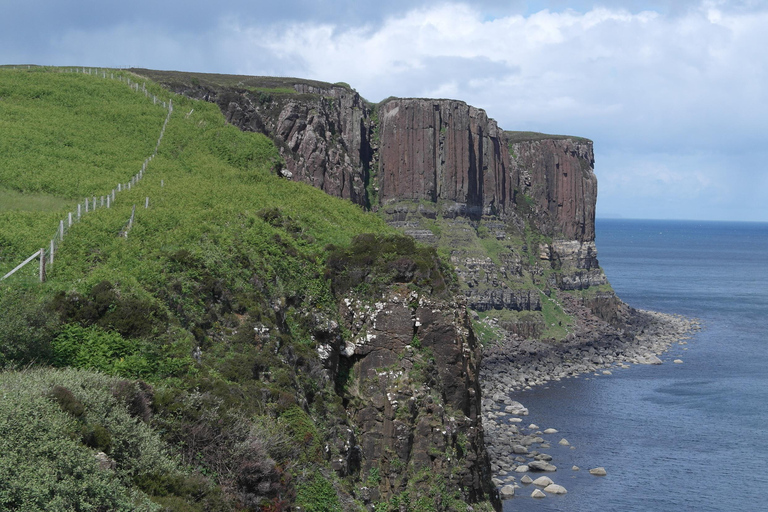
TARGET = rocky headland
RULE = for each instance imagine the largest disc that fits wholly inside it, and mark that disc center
(513, 214)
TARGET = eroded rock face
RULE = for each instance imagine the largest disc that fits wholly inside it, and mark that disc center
(557, 176)
(323, 133)
(416, 396)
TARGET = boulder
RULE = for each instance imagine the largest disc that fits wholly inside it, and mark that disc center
(598, 472)
(555, 489)
(540, 465)
(526, 480)
(564, 442)
(538, 494)
(543, 481)
(507, 492)
(522, 469)
(550, 431)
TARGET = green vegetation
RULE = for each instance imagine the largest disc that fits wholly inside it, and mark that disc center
(210, 301)
(513, 137)
(52, 422)
(176, 79)
(12, 200)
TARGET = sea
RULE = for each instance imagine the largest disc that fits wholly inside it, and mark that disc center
(675, 437)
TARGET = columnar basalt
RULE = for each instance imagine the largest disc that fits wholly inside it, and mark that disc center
(443, 150)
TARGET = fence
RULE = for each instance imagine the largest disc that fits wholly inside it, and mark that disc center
(93, 203)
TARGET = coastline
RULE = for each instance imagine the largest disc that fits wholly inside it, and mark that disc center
(515, 365)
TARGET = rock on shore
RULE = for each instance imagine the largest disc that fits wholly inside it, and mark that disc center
(518, 364)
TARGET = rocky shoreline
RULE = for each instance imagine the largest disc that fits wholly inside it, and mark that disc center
(515, 365)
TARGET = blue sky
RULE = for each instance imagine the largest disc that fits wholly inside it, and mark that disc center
(673, 93)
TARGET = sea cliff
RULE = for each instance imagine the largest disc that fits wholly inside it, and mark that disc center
(513, 215)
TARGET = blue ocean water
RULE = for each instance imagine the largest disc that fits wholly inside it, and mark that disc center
(675, 437)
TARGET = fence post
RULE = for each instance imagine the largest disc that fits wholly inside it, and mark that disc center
(50, 262)
(86, 205)
(78, 211)
(42, 265)
(61, 230)
(162, 183)
(119, 185)
(107, 201)
(70, 220)
(94, 202)
(146, 203)
(113, 195)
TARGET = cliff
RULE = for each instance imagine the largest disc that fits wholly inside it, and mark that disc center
(513, 214)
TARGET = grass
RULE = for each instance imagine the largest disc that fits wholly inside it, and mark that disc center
(518, 136)
(13, 200)
(269, 84)
(226, 249)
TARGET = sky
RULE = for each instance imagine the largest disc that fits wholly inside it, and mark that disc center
(674, 93)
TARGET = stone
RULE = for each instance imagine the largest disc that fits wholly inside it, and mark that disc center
(678, 361)
(519, 449)
(598, 471)
(550, 431)
(507, 492)
(526, 480)
(575, 468)
(649, 359)
(555, 489)
(538, 494)
(497, 482)
(522, 469)
(540, 465)
(564, 442)
(543, 481)
(533, 426)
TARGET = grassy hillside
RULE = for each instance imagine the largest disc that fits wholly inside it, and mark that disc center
(206, 301)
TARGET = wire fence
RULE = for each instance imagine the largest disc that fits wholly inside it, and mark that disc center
(46, 255)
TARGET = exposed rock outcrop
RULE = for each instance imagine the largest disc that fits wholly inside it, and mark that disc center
(400, 343)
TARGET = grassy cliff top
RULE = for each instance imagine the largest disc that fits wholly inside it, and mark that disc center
(272, 84)
(522, 136)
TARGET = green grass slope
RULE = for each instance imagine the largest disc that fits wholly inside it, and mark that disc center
(206, 301)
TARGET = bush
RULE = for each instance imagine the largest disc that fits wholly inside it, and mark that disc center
(27, 327)
(316, 494)
(43, 466)
(375, 260)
